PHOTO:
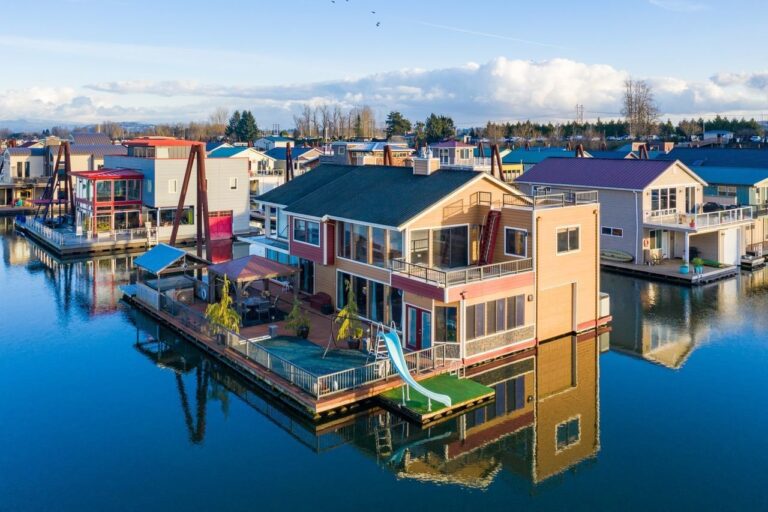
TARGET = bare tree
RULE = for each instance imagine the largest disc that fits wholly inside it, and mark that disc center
(640, 108)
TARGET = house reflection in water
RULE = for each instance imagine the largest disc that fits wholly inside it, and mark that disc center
(544, 420)
(663, 323)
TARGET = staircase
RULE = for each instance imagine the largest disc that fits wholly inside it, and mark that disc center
(488, 238)
(47, 199)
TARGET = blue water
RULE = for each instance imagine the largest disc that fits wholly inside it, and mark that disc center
(90, 423)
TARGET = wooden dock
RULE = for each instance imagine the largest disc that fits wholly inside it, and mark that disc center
(277, 386)
(670, 271)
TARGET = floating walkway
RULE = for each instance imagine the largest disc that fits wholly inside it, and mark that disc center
(670, 271)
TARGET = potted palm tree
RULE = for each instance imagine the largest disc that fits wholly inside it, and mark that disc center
(222, 315)
(350, 327)
(297, 320)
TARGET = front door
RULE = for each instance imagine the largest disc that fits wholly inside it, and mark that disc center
(418, 328)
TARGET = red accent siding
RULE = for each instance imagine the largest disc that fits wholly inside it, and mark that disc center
(330, 243)
(302, 250)
(417, 287)
(483, 288)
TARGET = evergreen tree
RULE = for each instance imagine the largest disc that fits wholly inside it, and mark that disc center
(397, 124)
(438, 128)
(246, 127)
(231, 131)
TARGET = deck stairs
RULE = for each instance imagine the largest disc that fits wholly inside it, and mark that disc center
(488, 237)
(46, 200)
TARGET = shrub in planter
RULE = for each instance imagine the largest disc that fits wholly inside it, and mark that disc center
(350, 327)
(297, 320)
(698, 265)
(222, 315)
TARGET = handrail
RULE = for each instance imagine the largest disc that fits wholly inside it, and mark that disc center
(551, 199)
(446, 278)
(317, 386)
(699, 220)
(71, 239)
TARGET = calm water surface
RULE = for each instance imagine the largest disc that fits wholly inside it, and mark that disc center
(102, 410)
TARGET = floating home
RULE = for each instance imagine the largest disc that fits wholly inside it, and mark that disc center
(464, 268)
(130, 203)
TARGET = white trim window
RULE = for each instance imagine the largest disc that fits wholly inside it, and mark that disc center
(568, 239)
(306, 231)
(515, 242)
(173, 186)
(614, 232)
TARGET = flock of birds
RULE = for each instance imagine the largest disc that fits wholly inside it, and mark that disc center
(378, 23)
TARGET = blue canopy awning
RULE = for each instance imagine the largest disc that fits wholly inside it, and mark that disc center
(159, 258)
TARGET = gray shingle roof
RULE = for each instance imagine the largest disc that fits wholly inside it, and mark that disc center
(91, 138)
(388, 196)
(98, 149)
(304, 184)
(596, 172)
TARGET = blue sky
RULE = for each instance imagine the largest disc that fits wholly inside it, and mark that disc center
(85, 61)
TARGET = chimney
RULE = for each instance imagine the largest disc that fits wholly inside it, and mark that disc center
(425, 163)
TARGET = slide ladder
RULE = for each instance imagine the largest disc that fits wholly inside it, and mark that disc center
(395, 349)
(488, 239)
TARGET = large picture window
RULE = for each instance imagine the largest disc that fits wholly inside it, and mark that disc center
(395, 245)
(306, 231)
(378, 246)
(103, 191)
(450, 247)
(515, 242)
(375, 301)
(663, 199)
(360, 243)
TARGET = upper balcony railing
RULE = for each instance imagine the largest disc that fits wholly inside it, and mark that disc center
(552, 199)
(447, 278)
(674, 217)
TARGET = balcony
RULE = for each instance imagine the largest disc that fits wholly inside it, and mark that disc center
(551, 199)
(448, 278)
(674, 218)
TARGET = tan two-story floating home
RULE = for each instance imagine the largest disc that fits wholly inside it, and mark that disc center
(451, 257)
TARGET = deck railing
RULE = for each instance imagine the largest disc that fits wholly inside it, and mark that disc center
(70, 239)
(674, 217)
(446, 278)
(551, 199)
(317, 386)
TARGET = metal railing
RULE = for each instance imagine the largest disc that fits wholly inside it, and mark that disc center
(673, 217)
(317, 386)
(551, 199)
(418, 362)
(68, 239)
(446, 278)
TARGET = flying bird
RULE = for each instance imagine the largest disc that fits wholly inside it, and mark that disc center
(378, 23)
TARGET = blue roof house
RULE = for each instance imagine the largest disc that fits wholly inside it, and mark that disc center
(650, 210)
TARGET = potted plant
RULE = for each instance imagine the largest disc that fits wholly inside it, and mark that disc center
(297, 320)
(698, 265)
(222, 315)
(350, 327)
(684, 268)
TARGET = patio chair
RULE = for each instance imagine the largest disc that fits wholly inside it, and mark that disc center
(262, 308)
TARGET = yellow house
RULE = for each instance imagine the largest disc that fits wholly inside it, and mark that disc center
(451, 257)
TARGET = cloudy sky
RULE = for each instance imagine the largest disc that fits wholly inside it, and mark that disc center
(168, 60)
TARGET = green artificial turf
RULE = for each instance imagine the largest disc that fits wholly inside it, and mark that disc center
(460, 390)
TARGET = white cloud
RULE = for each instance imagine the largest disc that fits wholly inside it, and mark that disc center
(501, 89)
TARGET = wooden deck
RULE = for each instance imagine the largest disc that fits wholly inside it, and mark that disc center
(298, 399)
(670, 271)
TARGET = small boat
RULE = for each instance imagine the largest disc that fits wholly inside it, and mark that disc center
(752, 261)
(611, 255)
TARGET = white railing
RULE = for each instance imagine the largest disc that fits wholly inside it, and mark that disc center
(551, 199)
(418, 362)
(69, 239)
(446, 278)
(427, 360)
(674, 217)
